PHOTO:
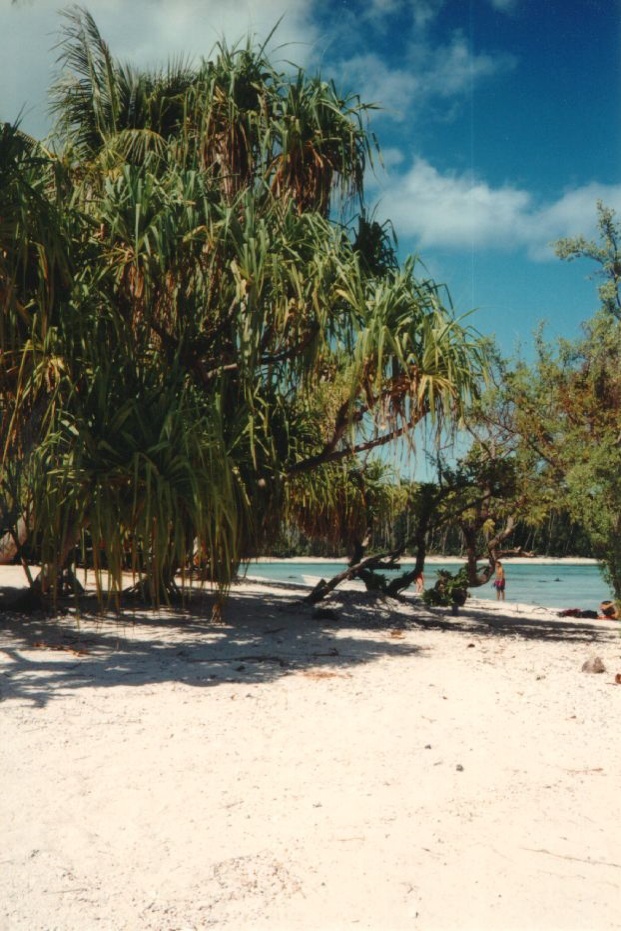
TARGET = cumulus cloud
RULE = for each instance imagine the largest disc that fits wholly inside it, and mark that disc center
(573, 214)
(428, 75)
(380, 8)
(425, 11)
(148, 32)
(463, 212)
(152, 32)
(451, 69)
(392, 89)
(506, 6)
(192, 27)
(419, 12)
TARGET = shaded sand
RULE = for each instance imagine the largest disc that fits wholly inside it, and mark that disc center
(397, 768)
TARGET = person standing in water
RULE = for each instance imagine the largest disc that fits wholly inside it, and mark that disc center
(499, 582)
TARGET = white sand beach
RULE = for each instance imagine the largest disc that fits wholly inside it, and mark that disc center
(386, 766)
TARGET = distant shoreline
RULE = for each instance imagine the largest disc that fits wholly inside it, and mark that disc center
(431, 560)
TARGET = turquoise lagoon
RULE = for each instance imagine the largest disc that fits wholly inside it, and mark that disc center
(550, 584)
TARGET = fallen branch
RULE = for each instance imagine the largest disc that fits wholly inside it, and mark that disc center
(385, 561)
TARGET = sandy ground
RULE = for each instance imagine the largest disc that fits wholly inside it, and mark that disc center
(390, 767)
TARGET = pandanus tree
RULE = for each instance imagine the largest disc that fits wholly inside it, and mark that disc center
(35, 276)
(225, 351)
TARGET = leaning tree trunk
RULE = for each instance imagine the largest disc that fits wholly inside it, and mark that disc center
(476, 576)
(357, 570)
(419, 541)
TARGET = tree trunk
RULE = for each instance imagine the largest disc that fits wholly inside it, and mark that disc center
(12, 541)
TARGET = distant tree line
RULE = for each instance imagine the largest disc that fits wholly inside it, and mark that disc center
(559, 536)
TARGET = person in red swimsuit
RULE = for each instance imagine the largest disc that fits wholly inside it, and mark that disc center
(499, 582)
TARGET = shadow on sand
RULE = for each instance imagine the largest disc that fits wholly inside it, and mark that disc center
(264, 635)
(525, 626)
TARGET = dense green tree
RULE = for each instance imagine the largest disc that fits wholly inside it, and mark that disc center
(566, 410)
(35, 279)
(211, 332)
(569, 417)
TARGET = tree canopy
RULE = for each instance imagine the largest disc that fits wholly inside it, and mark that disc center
(203, 329)
(563, 413)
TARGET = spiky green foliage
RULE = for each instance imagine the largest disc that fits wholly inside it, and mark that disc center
(204, 346)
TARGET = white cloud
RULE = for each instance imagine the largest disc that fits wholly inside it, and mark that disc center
(573, 214)
(152, 32)
(505, 6)
(462, 212)
(391, 157)
(419, 12)
(452, 69)
(452, 210)
(147, 32)
(425, 11)
(160, 29)
(380, 8)
(428, 75)
(393, 89)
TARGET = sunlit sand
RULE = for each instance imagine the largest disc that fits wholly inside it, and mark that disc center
(382, 766)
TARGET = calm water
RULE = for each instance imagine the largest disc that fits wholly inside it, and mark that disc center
(553, 585)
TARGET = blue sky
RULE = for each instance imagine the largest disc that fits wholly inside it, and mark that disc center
(500, 122)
